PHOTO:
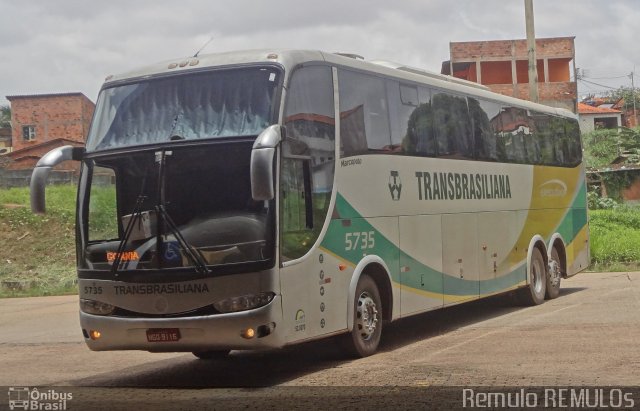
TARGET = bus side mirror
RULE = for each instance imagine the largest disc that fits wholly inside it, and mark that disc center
(262, 157)
(42, 170)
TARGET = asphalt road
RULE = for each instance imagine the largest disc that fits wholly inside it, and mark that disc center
(589, 336)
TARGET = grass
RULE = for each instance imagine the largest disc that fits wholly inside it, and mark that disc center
(38, 251)
(615, 239)
(37, 254)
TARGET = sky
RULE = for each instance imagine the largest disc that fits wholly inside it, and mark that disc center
(72, 45)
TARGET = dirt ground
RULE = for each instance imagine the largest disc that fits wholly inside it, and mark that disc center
(587, 337)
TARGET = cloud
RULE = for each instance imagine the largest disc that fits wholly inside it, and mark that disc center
(71, 45)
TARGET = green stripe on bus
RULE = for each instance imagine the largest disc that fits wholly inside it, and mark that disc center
(421, 277)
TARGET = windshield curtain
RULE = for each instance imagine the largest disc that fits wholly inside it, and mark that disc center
(213, 104)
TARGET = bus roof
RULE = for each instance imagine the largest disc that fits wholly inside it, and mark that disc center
(291, 58)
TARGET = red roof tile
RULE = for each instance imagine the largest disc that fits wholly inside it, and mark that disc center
(587, 109)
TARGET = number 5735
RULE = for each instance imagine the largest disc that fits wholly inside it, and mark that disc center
(359, 240)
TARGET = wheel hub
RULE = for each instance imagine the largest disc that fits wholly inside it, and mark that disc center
(367, 315)
(554, 273)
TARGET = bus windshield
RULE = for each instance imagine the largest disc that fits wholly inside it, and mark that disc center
(212, 104)
(188, 206)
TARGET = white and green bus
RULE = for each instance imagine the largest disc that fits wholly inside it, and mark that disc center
(258, 199)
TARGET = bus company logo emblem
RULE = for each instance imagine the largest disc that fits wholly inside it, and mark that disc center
(395, 185)
(553, 188)
(300, 321)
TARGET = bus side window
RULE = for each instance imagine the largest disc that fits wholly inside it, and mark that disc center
(484, 115)
(515, 126)
(532, 147)
(572, 147)
(403, 102)
(546, 129)
(308, 159)
(452, 126)
(364, 117)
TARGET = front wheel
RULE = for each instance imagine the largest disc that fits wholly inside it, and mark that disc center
(367, 321)
(537, 277)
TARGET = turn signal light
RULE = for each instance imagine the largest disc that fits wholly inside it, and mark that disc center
(94, 334)
(249, 333)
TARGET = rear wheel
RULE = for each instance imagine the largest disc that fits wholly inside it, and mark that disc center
(537, 277)
(554, 275)
(367, 321)
(212, 355)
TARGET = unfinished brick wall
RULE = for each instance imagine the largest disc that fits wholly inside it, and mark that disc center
(53, 116)
(557, 47)
(504, 68)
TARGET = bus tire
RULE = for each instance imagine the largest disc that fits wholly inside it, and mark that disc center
(534, 293)
(554, 275)
(367, 321)
(212, 355)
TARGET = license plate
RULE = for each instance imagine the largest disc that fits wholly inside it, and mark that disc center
(163, 334)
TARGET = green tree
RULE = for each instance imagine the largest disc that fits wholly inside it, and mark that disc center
(628, 94)
(601, 147)
(5, 116)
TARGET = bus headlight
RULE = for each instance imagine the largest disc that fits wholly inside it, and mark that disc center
(96, 307)
(244, 302)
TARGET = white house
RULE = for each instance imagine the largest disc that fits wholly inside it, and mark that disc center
(592, 118)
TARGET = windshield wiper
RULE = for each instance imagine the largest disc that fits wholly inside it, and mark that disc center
(137, 212)
(163, 218)
(192, 254)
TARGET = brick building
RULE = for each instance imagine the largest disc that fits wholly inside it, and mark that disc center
(503, 66)
(45, 121)
(5, 140)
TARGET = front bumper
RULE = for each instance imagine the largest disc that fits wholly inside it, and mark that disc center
(203, 333)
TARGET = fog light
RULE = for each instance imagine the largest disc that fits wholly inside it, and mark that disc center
(266, 329)
(249, 333)
(94, 334)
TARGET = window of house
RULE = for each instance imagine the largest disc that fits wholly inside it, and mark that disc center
(29, 133)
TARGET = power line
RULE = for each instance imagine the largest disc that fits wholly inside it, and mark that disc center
(598, 84)
(606, 78)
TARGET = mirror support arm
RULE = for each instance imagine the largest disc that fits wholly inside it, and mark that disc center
(42, 170)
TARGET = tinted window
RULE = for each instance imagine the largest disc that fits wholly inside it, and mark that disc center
(569, 144)
(308, 159)
(364, 122)
(545, 130)
(403, 101)
(452, 125)
(485, 118)
(514, 123)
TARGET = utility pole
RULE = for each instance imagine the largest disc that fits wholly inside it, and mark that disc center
(531, 46)
(633, 93)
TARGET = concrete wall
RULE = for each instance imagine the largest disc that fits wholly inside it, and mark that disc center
(587, 121)
(22, 178)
